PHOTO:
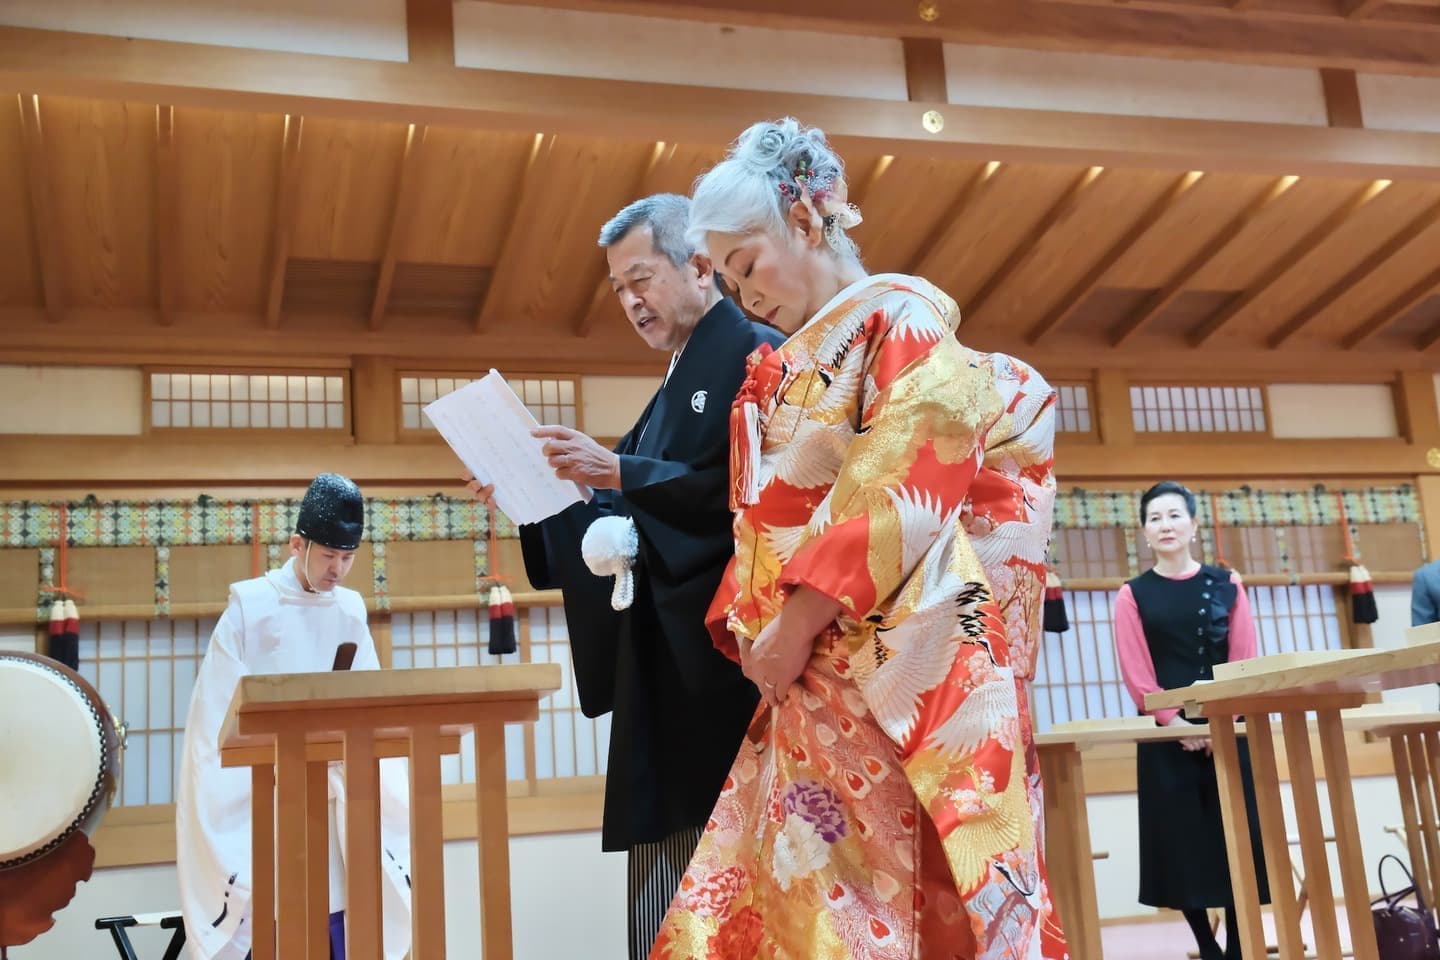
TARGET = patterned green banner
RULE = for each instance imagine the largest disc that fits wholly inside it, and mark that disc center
(206, 521)
(1078, 509)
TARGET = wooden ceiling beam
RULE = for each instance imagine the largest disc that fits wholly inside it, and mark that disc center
(399, 220)
(1417, 294)
(928, 254)
(1422, 291)
(535, 167)
(1189, 32)
(263, 81)
(1087, 284)
(1353, 278)
(167, 215)
(643, 186)
(43, 224)
(1207, 254)
(1287, 262)
(211, 338)
(1060, 211)
(283, 222)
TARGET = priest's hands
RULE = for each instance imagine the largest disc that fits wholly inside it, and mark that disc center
(574, 456)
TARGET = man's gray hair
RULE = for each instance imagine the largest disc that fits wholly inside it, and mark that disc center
(666, 214)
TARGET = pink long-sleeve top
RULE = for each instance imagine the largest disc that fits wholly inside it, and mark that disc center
(1137, 669)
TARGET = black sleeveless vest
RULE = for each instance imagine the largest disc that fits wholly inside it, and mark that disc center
(1186, 623)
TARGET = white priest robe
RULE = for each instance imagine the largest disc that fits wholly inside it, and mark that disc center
(272, 625)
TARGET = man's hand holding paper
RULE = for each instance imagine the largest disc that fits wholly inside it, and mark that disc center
(499, 442)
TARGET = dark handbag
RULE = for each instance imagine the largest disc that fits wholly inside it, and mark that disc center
(1403, 933)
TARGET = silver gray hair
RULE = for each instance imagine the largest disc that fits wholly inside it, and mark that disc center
(666, 214)
(752, 189)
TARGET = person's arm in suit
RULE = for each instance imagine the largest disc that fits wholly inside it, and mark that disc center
(1423, 606)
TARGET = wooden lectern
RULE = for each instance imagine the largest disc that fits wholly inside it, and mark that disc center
(287, 727)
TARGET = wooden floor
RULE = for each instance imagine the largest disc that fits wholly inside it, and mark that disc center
(1170, 939)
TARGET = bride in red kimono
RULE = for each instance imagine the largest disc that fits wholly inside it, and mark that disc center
(893, 494)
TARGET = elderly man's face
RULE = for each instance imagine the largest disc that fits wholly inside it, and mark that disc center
(662, 301)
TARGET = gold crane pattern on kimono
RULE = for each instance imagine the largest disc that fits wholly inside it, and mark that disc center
(889, 808)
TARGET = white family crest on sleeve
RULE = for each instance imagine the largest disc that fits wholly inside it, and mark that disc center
(697, 400)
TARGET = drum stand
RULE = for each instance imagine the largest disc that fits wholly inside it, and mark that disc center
(167, 921)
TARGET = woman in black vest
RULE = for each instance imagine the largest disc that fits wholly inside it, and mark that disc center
(1172, 625)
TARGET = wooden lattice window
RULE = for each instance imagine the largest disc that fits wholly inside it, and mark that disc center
(550, 399)
(563, 743)
(1295, 618)
(1073, 413)
(1197, 408)
(1076, 674)
(144, 671)
(247, 400)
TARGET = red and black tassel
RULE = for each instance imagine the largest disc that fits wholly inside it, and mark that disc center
(64, 640)
(1362, 595)
(1053, 618)
(502, 621)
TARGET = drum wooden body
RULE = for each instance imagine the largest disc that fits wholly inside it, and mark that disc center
(61, 769)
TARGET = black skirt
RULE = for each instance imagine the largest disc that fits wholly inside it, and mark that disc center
(1183, 864)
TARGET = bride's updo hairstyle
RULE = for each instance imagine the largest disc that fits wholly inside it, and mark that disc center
(773, 165)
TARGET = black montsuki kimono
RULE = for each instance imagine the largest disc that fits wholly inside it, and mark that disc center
(1183, 864)
(680, 706)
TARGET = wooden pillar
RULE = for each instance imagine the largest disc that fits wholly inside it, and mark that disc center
(1111, 408)
(375, 400)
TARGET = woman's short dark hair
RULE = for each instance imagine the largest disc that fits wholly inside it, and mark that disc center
(1161, 489)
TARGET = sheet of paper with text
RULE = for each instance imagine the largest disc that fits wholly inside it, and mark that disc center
(488, 427)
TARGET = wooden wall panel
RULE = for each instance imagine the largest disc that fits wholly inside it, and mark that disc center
(204, 574)
(438, 568)
(113, 575)
(19, 578)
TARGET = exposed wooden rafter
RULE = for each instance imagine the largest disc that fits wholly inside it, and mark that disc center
(42, 212)
(1178, 283)
(265, 81)
(928, 254)
(860, 190)
(167, 215)
(1353, 278)
(540, 151)
(644, 186)
(1416, 294)
(399, 218)
(1291, 258)
(1059, 211)
(1359, 9)
(283, 223)
(1091, 281)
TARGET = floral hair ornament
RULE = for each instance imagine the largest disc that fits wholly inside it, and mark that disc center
(814, 189)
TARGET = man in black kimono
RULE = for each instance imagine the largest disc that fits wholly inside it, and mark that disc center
(680, 707)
